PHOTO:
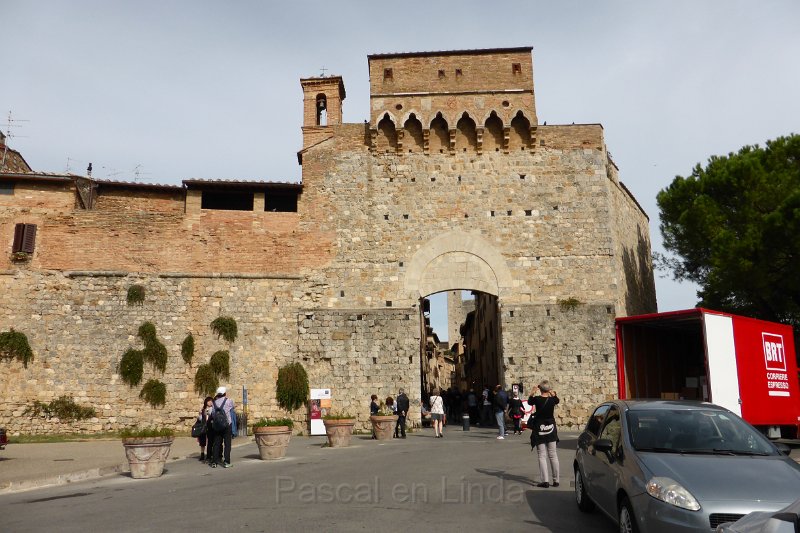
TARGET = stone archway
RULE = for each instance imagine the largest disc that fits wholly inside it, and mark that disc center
(457, 260)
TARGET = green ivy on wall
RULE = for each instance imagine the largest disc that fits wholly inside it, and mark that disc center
(154, 392)
(14, 345)
(225, 327)
(187, 349)
(135, 295)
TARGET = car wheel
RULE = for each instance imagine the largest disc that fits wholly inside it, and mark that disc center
(585, 504)
(627, 522)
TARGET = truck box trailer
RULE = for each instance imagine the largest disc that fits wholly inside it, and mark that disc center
(743, 364)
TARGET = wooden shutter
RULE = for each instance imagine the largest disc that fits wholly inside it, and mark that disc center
(19, 234)
(29, 240)
(24, 238)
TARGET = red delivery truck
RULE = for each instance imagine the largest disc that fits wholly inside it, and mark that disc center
(745, 365)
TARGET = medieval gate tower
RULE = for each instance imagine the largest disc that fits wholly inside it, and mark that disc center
(450, 185)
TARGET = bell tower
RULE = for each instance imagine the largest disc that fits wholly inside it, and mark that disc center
(322, 106)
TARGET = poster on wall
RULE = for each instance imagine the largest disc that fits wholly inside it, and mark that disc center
(319, 406)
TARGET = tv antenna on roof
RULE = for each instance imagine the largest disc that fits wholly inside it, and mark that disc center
(322, 71)
(137, 171)
(10, 123)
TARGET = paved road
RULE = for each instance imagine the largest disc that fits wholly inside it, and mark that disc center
(466, 481)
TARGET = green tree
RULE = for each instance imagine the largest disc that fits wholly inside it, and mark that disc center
(734, 227)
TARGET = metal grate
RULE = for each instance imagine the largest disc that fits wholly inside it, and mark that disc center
(720, 518)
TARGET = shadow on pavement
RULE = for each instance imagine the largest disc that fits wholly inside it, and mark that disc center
(502, 474)
(548, 506)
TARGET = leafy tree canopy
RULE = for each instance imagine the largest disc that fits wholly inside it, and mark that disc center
(734, 227)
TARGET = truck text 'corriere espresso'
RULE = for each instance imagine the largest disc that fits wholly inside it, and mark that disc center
(745, 365)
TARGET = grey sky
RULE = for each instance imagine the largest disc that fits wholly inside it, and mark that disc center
(210, 89)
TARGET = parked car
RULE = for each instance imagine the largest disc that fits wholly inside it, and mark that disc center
(787, 520)
(672, 466)
(3, 438)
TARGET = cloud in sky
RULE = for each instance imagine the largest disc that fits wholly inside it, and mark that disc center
(199, 89)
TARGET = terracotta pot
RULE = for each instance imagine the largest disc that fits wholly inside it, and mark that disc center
(339, 432)
(383, 426)
(272, 441)
(147, 455)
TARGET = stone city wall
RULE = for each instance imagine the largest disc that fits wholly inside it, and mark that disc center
(572, 346)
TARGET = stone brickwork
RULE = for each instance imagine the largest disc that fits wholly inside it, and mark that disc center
(529, 214)
(360, 352)
(572, 347)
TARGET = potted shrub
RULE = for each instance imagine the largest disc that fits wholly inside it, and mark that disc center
(339, 429)
(272, 437)
(383, 423)
(147, 450)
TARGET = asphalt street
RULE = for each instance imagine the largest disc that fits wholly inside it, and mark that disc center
(465, 481)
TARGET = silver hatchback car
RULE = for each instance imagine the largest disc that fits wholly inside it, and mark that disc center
(672, 466)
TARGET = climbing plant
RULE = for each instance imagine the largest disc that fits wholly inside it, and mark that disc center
(569, 304)
(135, 295)
(292, 386)
(206, 381)
(154, 351)
(154, 392)
(63, 408)
(131, 367)
(14, 345)
(225, 327)
(221, 364)
(187, 349)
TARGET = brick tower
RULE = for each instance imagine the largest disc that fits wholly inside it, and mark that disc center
(322, 106)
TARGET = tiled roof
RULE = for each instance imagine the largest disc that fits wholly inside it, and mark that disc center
(259, 184)
(135, 184)
(37, 176)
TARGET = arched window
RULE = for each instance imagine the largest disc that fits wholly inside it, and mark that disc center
(520, 135)
(412, 141)
(387, 135)
(440, 136)
(322, 110)
(493, 134)
(466, 135)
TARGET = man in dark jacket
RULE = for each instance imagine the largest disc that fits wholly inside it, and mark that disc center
(402, 412)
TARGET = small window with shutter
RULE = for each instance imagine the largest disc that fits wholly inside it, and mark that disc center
(24, 238)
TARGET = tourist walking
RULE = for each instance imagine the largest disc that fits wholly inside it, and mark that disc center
(544, 433)
(472, 407)
(500, 406)
(205, 419)
(515, 412)
(222, 435)
(374, 408)
(437, 413)
(402, 412)
(486, 408)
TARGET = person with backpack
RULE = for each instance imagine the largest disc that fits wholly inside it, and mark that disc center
(221, 424)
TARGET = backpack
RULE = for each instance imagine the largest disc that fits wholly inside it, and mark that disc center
(219, 421)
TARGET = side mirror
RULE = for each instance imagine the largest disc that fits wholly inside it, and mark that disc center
(784, 449)
(603, 445)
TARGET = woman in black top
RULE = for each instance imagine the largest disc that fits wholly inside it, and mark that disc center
(544, 434)
(515, 412)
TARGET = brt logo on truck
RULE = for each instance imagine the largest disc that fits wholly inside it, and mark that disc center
(774, 354)
(775, 361)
